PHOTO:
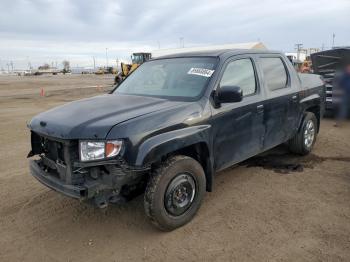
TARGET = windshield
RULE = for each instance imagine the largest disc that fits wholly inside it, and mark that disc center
(170, 78)
(137, 59)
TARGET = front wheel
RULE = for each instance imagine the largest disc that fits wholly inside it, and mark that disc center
(174, 192)
(303, 142)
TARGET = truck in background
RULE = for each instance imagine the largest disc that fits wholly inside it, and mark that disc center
(327, 64)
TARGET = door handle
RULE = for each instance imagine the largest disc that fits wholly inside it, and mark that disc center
(260, 109)
(295, 98)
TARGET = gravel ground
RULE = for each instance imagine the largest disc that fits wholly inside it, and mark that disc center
(274, 207)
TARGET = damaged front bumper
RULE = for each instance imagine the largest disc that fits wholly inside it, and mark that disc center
(100, 184)
(57, 166)
(56, 183)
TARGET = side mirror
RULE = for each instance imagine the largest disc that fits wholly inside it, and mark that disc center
(230, 94)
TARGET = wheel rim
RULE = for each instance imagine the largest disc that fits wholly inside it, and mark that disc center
(180, 194)
(309, 134)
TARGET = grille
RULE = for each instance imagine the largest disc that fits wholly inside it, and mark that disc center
(57, 157)
(53, 150)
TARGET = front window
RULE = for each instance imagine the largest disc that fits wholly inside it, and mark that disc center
(175, 78)
(240, 73)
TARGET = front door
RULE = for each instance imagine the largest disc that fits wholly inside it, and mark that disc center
(238, 127)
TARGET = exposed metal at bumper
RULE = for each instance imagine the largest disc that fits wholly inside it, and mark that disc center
(103, 189)
(55, 183)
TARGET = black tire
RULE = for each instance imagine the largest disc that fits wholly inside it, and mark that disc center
(118, 79)
(158, 202)
(298, 143)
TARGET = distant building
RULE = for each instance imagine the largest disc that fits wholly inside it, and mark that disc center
(294, 57)
(13, 73)
(47, 71)
(82, 70)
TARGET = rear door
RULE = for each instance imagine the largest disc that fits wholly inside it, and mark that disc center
(238, 127)
(281, 108)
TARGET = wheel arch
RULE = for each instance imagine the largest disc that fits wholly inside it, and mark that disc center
(311, 104)
(190, 141)
(199, 152)
(316, 110)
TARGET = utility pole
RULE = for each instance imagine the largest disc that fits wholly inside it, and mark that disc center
(333, 37)
(106, 57)
(182, 42)
(93, 58)
(298, 47)
(29, 64)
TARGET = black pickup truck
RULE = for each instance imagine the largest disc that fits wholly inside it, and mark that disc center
(170, 125)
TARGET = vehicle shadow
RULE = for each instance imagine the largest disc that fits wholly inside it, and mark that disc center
(49, 207)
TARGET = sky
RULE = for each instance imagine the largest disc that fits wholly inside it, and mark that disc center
(44, 31)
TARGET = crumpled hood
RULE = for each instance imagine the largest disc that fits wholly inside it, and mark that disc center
(94, 117)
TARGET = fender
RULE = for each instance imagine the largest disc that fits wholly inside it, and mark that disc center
(160, 145)
(310, 101)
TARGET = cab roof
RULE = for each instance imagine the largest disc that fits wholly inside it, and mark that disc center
(218, 53)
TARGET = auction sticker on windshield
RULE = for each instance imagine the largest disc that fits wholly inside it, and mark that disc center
(200, 71)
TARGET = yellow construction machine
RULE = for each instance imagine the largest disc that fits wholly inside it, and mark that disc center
(306, 66)
(137, 59)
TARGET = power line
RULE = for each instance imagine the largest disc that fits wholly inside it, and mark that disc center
(106, 57)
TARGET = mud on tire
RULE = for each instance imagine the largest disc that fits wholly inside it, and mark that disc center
(180, 178)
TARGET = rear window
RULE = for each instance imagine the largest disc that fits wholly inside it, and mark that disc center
(275, 74)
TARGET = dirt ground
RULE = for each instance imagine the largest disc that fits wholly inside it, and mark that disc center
(274, 207)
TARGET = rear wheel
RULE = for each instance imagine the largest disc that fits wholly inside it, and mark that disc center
(303, 142)
(174, 192)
